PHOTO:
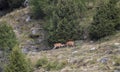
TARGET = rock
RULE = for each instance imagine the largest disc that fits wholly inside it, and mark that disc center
(91, 41)
(116, 70)
(32, 53)
(116, 44)
(1, 69)
(74, 52)
(35, 32)
(60, 57)
(108, 52)
(28, 19)
(90, 5)
(72, 60)
(66, 69)
(24, 50)
(93, 49)
(26, 3)
(34, 48)
(40, 70)
(104, 60)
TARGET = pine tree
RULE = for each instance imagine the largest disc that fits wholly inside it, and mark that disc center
(17, 62)
(104, 21)
(7, 37)
(63, 21)
(15, 3)
(37, 8)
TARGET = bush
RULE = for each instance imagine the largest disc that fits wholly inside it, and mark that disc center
(54, 66)
(7, 37)
(37, 8)
(41, 62)
(17, 62)
(63, 21)
(3, 5)
(15, 3)
(62, 18)
(104, 21)
(49, 65)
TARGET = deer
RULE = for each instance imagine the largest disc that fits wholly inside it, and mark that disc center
(58, 45)
(70, 43)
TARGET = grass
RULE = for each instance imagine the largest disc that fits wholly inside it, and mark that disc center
(41, 59)
(50, 65)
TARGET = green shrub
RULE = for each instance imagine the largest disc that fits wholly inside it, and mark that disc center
(63, 21)
(37, 8)
(41, 62)
(50, 65)
(54, 66)
(7, 37)
(15, 3)
(62, 18)
(104, 21)
(17, 62)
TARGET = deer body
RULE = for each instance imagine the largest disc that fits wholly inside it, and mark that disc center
(70, 43)
(58, 45)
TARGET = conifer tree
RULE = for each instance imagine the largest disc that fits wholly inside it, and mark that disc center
(7, 37)
(63, 21)
(17, 62)
(104, 21)
(15, 3)
(7, 42)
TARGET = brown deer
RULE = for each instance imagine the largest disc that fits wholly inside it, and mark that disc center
(70, 43)
(58, 45)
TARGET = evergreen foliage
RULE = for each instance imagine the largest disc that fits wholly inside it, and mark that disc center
(7, 37)
(17, 62)
(63, 21)
(37, 8)
(15, 3)
(62, 18)
(104, 21)
(50, 65)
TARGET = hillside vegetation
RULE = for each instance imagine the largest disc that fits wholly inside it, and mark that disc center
(43, 23)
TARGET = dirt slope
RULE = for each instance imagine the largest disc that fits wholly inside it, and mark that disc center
(100, 56)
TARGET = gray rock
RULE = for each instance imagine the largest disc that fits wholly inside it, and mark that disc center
(116, 70)
(104, 60)
(92, 49)
(91, 41)
(74, 52)
(116, 44)
(72, 60)
(26, 3)
(24, 50)
(66, 69)
(108, 52)
(28, 19)
(35, 31)
(60, 57)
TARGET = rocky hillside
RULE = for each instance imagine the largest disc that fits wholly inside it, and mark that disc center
(29, 32)
(87, 56)
(103, 56)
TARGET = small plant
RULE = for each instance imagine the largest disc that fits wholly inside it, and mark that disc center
(37, 8)
(7, 37)
(116, 60)
(54, 65)
(105, 20)
(41, 62)
(49, 65)
(17, 62)
(15, 3)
